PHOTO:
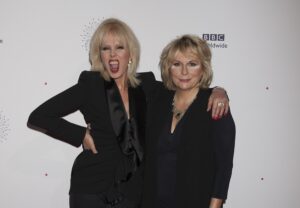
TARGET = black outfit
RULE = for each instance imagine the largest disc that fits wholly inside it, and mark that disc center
(194, 163)
(168, 144)
(98, 201)
(115, 172)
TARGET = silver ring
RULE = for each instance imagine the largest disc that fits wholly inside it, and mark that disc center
(220, 104)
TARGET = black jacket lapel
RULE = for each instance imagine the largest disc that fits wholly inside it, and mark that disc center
(127, 130)
(115, 106)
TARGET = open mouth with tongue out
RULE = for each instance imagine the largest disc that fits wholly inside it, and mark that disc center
(114, 66)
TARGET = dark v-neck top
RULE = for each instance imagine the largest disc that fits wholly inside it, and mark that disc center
(166, 167)
(170, 163)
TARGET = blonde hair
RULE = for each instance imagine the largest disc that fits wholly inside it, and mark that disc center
(183, 44)
(124, 33)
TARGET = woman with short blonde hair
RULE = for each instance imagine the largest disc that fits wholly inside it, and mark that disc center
(187, 42)
(189, 153)
(117, 28)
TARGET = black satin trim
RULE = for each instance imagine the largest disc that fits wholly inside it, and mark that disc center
(126, 131)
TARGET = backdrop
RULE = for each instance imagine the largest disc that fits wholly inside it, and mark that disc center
(255, 45)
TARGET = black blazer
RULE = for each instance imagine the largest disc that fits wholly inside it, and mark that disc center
(203, 163)
(93, 173)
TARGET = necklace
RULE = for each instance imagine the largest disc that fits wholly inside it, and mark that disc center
(178, 114)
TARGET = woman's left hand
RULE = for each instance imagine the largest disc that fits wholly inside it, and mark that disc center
(218, 102)
(215, 203)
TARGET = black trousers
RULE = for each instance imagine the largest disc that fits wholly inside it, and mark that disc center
(98, 201)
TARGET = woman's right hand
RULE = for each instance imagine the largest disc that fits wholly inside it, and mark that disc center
(88, 141)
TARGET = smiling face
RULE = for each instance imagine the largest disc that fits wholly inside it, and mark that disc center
(115, 57)
(186, 71)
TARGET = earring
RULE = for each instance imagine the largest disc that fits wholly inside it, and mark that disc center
(130, 61)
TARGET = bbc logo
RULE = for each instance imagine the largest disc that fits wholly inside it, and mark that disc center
(213, 37)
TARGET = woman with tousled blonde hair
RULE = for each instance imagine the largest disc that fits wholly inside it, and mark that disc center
(198, 47)
(189, 153)
(118, 28)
